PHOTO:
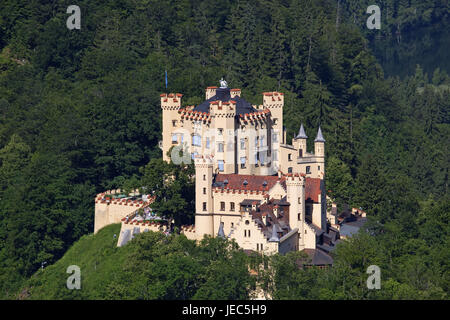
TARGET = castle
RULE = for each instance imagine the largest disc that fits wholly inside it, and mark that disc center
(251, 186)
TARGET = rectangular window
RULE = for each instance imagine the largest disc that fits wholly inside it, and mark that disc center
(204, 177)
(275, 137)
(242, 162)
(308, 169)
(298, 217)
(290, 170)
(220, 147)
(242, 144)
(290, 157)
(174, 138)
(261, 144)
(257, 247)
(182, 138)
(245, 233)
(275, 155)
(318, 168)
(220, 163)
(196, 141)
(222, 206)
(207, 143)
(174, 123)
(231, 206)
(220, 130)
(248, 232)
(204, 190)
(261, 247)
(300, 153)
(204, 206)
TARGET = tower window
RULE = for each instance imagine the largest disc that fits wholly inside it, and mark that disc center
(220, 147)
(300, 153)
(204, 190)
(318, 168)
(220, 131)
(204, 177)
(290, 170)
(174, 123)
(222, 206)
(308, 169)
(231, 206)
(207, 143)
(204, 206)
(290, 157)
(298, 217)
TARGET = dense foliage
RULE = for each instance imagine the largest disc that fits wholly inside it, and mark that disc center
(152, 266)
(79, 112)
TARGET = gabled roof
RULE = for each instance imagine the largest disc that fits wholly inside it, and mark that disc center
(254, 183)
(312, 189)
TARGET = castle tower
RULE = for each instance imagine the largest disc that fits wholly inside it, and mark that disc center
(224, 113)
(170, 103)
(319, 144)
(299, 142)
(295, 185)
(274, 101)
(204, 219)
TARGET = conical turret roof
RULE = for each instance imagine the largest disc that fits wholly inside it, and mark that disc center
(274, 237)
(319, 137)
(301, 133)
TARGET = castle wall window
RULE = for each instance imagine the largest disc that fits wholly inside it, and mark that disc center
(174, 123)
(261, 247)
(298, 216)
(196, 140)
(222, 206)
(275, 121)
(290, 170)
(220, 147)
(257, 247)
(290, 157)
(204, 190)
(242, 162)
(204, 177)
(220, 164)
(318, 168)
(204, 206)
(231, 206)
(308, 169)
(242, 144)
(232, 225)
(174, 138)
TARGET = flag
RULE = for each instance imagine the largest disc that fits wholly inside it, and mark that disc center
(166, 79)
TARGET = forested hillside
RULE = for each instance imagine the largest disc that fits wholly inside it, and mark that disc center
(79, 113)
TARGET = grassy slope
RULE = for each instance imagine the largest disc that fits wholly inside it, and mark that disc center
(99, 260)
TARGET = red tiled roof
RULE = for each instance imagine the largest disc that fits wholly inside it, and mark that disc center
(236, 181)
(312, 189)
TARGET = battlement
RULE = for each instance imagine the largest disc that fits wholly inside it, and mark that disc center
(235, 92)
(210, 92)
(295, 178)
(253, 117)
(171, 101)
(204, 161)
(273, 99)
(189, 114)
(226, 109)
